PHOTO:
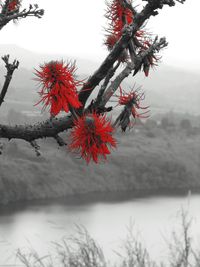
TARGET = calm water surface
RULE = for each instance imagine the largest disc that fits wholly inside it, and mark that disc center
(37, 225)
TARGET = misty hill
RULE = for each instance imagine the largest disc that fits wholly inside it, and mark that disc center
(31, 60)
(140, 164)
(167, 88)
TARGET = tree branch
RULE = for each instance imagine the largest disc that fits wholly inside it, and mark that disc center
(128, 33)
(48, 128)
(10, 69)
(106, 82)
(155, 47)
(33, 10)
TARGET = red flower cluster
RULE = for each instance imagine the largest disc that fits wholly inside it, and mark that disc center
(92, 137)
(118, 15)
(133, 98)
(13, 5)
(59, 86)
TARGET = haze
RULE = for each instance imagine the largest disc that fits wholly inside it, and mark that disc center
(76, 28)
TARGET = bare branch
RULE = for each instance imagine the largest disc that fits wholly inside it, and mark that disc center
(116, 83)
(155, 47)
(10, 69)
(33, 11)
(48, 128)
(106, 82)
(164, 2)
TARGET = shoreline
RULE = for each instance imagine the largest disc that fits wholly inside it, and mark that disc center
(98, 197)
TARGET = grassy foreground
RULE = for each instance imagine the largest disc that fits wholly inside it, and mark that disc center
(82, 251)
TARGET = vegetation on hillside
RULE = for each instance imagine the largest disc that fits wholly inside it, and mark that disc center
(156, 156)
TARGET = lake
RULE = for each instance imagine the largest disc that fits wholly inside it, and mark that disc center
(36, 225)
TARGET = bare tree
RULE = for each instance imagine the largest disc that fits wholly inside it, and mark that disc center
(129, 46)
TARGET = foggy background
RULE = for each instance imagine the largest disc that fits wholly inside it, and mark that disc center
(76, 29)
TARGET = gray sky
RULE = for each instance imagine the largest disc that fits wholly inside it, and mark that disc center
(75, 28)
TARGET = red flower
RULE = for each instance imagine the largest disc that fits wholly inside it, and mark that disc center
(92, 137)
(134, 99)
(13, 5)
(59, 86)
(110, 42)
(118, 15)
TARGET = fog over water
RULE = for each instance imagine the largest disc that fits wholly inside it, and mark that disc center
(153, 219)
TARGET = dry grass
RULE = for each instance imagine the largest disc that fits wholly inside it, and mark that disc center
(82, 251)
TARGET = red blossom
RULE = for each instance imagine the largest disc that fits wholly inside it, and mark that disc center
(13, 5)
(110, 42)
(118, 15)
(134, 98)
(92, 137)
(59, 86)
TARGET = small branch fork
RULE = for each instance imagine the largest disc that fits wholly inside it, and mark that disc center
(129, 31)
(155, 47)
(6, 17)
(10, 67)
(110, 74)
(54, 126)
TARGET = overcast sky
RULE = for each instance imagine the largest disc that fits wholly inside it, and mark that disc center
(75, 28)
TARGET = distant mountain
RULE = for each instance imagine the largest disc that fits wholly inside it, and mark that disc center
(167, 88)
(31, 60)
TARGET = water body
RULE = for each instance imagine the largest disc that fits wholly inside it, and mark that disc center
(36, 225)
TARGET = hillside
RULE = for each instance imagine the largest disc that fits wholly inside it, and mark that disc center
(141, 163)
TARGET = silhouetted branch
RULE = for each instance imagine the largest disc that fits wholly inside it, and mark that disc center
(10, 69)
(164, 2)
(6, 17)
